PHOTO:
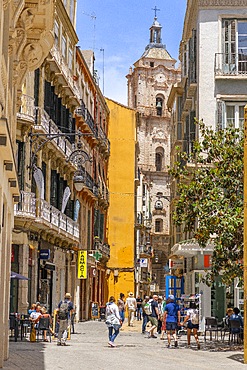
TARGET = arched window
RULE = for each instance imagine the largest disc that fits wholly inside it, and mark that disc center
(159, 105)
(158, 161)
(158, 225)
(159, 154)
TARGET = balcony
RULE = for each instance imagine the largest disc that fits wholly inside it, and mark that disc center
(86, 121)
(104, 143)
(230, 65)
(145, 251)
(44, 124)
(163, 113)
(43, 216)
(27, 109)
(100, 250)
(103, 196)
(64, 74)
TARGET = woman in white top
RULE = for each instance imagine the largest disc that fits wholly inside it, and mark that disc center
(113, 320)
(192, 317)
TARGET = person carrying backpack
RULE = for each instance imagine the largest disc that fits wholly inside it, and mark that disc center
(146, 311)
(64, 311)
(192, 316)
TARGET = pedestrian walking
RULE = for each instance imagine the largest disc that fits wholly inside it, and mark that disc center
(172, 317)
(139, 301)
(113, 320)
(121, 306)
(64, 310)
(153, 318)
(131, 307)
(192, 316)
(145, 314)
(163, 327)
(160, 316)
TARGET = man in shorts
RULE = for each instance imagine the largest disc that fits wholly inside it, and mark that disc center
(153, 318)
(172, 317)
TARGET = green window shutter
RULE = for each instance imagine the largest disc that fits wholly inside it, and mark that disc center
(102, 222)
(36, 87)
(53, 190)
(220, 115)
(21, 164)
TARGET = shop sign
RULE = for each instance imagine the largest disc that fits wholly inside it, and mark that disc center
(82, 264)
(44, 254)
(176, 264)
(143, 262)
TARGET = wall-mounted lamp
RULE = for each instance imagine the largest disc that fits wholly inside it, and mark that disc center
(115, 273)
(108, 271)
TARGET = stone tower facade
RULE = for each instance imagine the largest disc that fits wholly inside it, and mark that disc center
(149, 85)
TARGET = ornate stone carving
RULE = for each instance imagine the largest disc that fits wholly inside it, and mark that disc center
(33, 54)
(5, 4)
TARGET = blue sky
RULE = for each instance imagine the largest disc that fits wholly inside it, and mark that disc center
(121, 29)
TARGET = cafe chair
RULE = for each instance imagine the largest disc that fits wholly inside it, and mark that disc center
(225, 329)
(236, 331)
(211, 326)
(44, 324)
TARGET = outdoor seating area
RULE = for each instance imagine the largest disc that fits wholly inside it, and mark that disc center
(19, 326)
(230, 329)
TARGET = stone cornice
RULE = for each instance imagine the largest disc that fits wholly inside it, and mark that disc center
(222, 3)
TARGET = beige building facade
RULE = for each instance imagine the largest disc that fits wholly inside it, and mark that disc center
(25, 40)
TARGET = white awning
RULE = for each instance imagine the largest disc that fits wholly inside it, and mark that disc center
(190, 248)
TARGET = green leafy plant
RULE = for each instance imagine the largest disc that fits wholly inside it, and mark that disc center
(210, 197)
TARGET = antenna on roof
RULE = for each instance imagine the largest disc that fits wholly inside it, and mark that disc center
(93, 18)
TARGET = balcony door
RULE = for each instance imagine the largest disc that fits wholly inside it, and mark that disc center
(235, 46)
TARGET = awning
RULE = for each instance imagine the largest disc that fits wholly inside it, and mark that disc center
(15, 275)
(190, 248)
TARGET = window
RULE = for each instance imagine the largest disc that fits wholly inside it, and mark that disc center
(159, 158)
(151, 64)
(234, 115)
(64, 47)
(158, 225)
(235, 46)
(70, 59)
(56, 33)
(159, 104)
(230, 114)
(158, 161)
(71, 10)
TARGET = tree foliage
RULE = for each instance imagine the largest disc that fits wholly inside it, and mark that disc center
(210, 197)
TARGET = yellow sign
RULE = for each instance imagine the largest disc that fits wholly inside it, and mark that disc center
(82, 264)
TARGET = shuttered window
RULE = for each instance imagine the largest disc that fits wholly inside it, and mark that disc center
(21, 164)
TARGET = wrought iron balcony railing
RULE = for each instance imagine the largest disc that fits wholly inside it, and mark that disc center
(230, 64)
(41, 211)
(143, 249)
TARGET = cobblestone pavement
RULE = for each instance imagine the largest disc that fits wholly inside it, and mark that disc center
(88, 350)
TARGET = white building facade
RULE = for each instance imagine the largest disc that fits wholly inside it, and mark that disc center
(213, 55)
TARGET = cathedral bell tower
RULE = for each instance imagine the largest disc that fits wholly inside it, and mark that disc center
(149, 85)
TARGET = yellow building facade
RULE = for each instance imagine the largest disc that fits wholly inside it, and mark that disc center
(121, 214)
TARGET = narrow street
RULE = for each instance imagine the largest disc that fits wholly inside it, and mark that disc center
(88, 350)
